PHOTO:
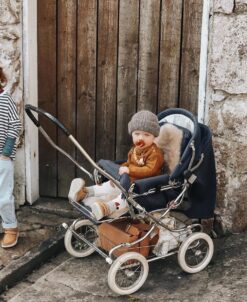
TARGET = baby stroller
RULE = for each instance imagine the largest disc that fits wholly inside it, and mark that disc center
(164, 211)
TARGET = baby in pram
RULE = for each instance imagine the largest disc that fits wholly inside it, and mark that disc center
(145, 159)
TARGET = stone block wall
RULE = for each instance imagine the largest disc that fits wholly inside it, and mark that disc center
(227, 108)
(11, 61)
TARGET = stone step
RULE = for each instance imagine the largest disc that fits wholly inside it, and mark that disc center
(41, 237)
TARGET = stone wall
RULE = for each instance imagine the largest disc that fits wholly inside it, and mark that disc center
(11, 61)
(227, 108)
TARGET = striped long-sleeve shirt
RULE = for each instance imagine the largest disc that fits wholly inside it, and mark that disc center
(10, 124)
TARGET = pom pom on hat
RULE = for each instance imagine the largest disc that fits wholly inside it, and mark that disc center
(144, 120)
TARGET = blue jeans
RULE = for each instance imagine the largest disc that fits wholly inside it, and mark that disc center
(113, 168)
(7, 204)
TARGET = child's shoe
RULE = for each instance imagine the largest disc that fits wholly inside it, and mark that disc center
(113, 208)
(10, 238)
(77, 190)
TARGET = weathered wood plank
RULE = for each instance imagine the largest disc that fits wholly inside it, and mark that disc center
(171, 18)
(148, 54)
(127, 72)
(192, 18)
(47, 94)
(66, 89)
(102, 72)
(86, 77)
(106, 79)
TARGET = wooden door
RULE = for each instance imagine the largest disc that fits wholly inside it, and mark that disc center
(102, 60)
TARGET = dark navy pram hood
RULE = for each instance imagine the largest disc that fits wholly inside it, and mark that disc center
(202, 193)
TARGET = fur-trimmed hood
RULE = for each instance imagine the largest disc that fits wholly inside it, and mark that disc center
(169, 141)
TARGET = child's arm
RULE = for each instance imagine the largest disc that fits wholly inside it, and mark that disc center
(14, 121)
(126, 164)
(13, 131)
(8, 146)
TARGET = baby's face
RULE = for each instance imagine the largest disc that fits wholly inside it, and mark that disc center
(142, 139)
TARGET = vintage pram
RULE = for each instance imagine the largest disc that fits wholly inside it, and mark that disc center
(170, 224)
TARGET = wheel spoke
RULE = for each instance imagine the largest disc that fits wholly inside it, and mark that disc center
(77, 247)
(128, 275)
(196, 252)
(89, 233)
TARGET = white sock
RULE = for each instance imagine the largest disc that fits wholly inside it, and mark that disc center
(90, 191)
(117, 204)
(104, 189)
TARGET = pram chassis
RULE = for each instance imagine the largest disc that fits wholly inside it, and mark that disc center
(194, 231)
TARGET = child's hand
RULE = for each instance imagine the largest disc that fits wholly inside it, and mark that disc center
(123, 170)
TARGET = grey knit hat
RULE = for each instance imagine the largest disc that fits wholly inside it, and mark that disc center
(144, 120)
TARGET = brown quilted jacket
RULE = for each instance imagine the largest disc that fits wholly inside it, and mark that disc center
(144, 163)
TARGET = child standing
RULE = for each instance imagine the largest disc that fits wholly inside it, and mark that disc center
(10, 126)
(145, 159)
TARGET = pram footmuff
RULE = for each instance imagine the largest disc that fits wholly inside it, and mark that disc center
(164, 211)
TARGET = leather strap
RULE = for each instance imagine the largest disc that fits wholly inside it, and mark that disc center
(132, 230)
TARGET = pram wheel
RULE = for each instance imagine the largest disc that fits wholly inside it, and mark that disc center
(128, 273)
(78, 248)
(195, 252)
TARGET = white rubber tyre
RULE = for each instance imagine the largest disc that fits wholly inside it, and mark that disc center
(77, 248)
(195, 252)
(125, 278)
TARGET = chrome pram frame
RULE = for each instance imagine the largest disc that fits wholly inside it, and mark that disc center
(136, 211)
